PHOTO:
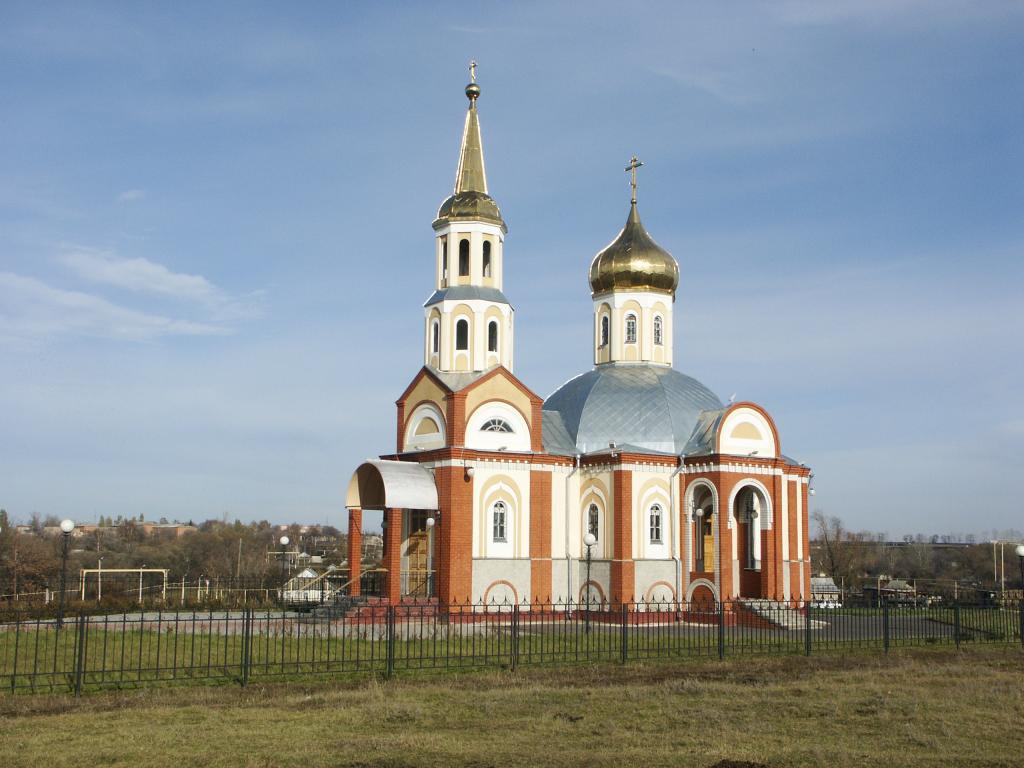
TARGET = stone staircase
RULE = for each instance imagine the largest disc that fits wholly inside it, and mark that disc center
(338, 606)
(779, 614)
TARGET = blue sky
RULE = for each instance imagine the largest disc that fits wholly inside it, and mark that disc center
(215, 235)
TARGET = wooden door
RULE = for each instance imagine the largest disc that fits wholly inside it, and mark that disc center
(418, 555)
(709, 544)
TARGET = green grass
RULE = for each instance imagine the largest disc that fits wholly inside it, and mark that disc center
(912, 708)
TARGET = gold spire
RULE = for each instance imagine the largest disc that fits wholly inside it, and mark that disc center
(470, 200)
(470, 176)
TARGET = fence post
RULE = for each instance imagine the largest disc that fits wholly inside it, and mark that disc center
(514, 649)
(246, 645)
(885, 624)
(390, 644)
(721, 629)
(956, 624)
(624, 637)
(80, 654)
(807, 628)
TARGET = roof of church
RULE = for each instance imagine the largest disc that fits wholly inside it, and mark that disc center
(467, 292)
(646, 407)
(457, 380)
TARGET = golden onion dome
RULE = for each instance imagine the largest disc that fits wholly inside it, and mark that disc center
(634, 261)
(471, 205)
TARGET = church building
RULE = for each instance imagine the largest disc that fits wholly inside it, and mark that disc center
(494, 494)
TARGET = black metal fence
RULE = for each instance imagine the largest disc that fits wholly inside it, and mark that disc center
(91, 652)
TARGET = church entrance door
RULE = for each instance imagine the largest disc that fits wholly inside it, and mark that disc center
(418, 581)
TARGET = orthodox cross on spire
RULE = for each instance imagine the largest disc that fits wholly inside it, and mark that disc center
(472, 71)
(631, 168)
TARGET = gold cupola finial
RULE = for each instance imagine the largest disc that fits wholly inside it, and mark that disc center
(631, 168)
(472, 89)
(633, 261)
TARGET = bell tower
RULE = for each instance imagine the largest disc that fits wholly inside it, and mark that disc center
(468, 320)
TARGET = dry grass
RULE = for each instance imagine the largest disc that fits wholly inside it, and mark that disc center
(913, 708)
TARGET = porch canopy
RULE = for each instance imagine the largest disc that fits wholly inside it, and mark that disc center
(392, 484)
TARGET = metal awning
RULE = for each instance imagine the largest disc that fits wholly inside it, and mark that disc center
(396, 484)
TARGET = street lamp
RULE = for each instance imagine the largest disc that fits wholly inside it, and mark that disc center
(66, 527)
(1020, 557)
(698, 513)
(589, 540)
(99, 581)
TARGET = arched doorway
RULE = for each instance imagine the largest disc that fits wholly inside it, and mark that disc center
(703, 531)
(749, 511)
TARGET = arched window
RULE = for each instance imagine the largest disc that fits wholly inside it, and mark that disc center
(463, 257)
(462, 334)
(499, 519)
(487, 258)
(594, 521)
(496, 425)
(444, 258)
(657, 330)
(631, 329)
(655, 523)
(604, 330)
(492, 336)
(435, 336)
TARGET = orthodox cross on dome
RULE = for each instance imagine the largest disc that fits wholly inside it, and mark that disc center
(631, 168)
(472, 71)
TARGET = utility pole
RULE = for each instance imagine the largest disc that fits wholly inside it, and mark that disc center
(238, 566)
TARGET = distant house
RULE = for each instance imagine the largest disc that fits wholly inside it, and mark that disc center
(824, 590)
(893, 591)
(306, 586)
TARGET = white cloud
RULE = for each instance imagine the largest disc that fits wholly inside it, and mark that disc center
(30, 308)
(145, 276)
(131, 195)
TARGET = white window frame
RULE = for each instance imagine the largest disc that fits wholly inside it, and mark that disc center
(630, 329)
(499, 522)
(659, 331)
(655, 521)
(594, 521)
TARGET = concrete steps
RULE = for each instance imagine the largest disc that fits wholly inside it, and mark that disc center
(780, 614)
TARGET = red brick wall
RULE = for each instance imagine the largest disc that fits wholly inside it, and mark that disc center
(794, 568)
(355, 549)
(455, 538)
(540, 535)
(393, 553)
(623, 569)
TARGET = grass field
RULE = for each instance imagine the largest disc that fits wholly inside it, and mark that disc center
(912, 708)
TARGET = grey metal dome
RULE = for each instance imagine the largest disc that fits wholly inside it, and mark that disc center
(649, 407)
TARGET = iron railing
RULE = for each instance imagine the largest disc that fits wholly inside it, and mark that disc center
(143, 648)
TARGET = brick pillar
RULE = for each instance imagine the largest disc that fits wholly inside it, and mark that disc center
(454, 536)
(540, 537)
(623, 569)
(355, 549)
(393, 554)
(724, 565)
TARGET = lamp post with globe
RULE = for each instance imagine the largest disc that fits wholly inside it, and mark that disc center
(66, 527)
(1020, 605)
(589, 540)
(1020, 559)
